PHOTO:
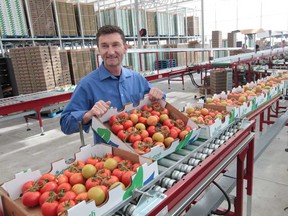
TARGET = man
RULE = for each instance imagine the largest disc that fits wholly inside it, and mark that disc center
(109, 85)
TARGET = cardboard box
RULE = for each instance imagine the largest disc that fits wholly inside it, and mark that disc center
(10, 191)
(101, 127)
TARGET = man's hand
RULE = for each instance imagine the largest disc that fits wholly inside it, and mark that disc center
(98, 110)
(155, 94)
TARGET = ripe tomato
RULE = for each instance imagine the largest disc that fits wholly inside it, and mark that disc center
(168, 122)
(110, 180)
(137, 112)
(82, 196)
(29, 185)
(69, 195)
(122, 135)
(144, 134)
(49, 186)
(165, 130)
(155, 113)
(62, 179)
(117, 158)
(64, 206)
(31, 198)
(134, 137)
(99, 165)
(78, 164)
(135, 166)
(140, 150)
(180, 124)
(113, 119)
(76, 178)
(152, 120)
(125, 163)
(126, 178)
(182, 134)
(63, 187)
(147, 108)
(118, 172)
(103, 173)
(173, 133)
(151, 130)
(49, 208)
(47, 196)
(161, 144)
(123, 116)
(148, 140)
(91, 160)
(116, 127)
(48, 177)
(127, 124)
(92, 182)
(142, 120)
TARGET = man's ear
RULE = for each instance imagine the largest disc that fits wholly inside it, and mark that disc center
(125, 47)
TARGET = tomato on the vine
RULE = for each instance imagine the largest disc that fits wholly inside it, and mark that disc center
(49, 208)
(31, 198)
(64, 206)
(127, 177)
(49, 186)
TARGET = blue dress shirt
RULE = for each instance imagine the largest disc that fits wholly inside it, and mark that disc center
(100, 84)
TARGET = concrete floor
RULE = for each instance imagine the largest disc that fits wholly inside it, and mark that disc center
(21, 149)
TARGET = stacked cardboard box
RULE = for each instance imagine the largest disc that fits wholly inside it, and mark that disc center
(21, 70)
(192, 26)
(88, 18)
(60, 64)
(80, 64)
(151, 23)
(220, 80)
(67, 19)
(216, 39)
(94, 57)
(231, 39)
(42, 20)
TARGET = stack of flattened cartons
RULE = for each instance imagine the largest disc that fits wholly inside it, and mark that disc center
(220, 80)
(21, 70)
(60, 64)
(192, 26)
(88, 18)
(42, 20)
(216, 39)
(66, 18)
(80, 64)
(151, 23)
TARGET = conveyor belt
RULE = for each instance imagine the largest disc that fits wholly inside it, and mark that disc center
(198, 157)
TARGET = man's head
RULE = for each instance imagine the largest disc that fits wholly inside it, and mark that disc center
(112, 47)
(109, 29)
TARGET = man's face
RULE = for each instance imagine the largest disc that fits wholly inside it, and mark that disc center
(112, 49)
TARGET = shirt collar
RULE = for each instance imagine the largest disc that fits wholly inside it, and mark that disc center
(104, 73)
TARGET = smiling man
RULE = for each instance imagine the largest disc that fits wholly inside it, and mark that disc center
(109, 85)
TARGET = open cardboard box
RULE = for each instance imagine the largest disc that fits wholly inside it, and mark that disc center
(10, 191)
(101, 127)
(208, 131)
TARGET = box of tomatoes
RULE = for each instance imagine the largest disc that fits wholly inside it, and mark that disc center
(152, 129)
(210, 120)
(99, 178)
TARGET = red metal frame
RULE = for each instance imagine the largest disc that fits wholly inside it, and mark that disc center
(193, 178)
(35, 104)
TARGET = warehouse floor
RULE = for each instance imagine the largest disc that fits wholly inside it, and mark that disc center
(21, 149)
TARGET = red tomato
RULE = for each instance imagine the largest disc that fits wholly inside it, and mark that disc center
(144, 134)
(122, 134)
(104, 173)
(62, 179)
(165, 130)
(99, 165)
(147, 108)
(48, 177)
(142, 120)
(123, 116)
(126, 178)
(135, 166)
(69, 195)
(126, 164)
(78, 164)
(151, 130)
(49, 186)
(110, 180)
(116, 127)
(31, 198)
(82, 196)
(91, 182)
(118, 172)
(140, 150)
(63, 187)
(134, 137)
(127, 124)
(47, 196)
(29, 185)
(64, 206)
(112, 120)
(49, 208)
(91, 160)
(76, 178)
(117, 158)
(168, 122)
(173, 133)
(148, 140)
(137, 112)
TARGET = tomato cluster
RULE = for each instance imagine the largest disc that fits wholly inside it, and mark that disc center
(148, 127)
(82, 180)
(205, 116)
